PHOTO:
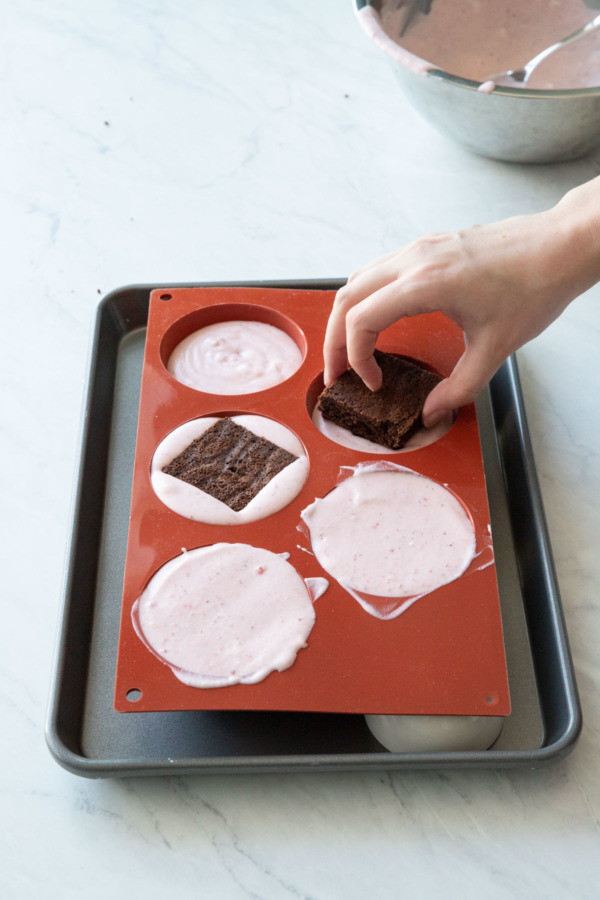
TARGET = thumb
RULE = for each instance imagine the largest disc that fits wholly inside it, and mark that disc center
(471, 374)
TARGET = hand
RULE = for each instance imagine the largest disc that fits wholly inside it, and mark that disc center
(501, 283)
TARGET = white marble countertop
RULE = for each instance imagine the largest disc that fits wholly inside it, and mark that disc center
(155, 141)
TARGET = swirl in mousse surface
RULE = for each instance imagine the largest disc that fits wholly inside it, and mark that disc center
(235, 357)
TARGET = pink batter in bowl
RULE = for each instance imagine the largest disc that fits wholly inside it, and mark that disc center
(443, 58)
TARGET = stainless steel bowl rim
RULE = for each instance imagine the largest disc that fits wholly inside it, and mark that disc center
(525, 93)
(470, 85)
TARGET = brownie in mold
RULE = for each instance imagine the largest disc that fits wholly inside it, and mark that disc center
(230, 463)
(389, 416)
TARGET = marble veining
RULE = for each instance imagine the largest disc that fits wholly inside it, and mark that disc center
(181, 141)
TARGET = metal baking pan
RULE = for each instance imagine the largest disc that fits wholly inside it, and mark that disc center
(88, 737)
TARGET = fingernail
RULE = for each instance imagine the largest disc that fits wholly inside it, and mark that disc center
(432, 418)
(373, 380)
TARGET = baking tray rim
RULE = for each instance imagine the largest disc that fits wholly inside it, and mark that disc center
(79, 764)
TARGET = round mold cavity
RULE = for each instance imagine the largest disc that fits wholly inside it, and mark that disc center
(424, 437)
(213, 614)
(202, 504)
(257, 350)
(388, 532)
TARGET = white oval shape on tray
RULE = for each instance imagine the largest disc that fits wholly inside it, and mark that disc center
(435, 734)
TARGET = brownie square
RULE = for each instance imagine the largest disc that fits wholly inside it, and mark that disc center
(389, 416)
(229, 462)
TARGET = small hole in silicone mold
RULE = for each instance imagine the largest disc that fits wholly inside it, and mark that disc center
(133, 695)
(230, 312)
(166, 296)
(341, 436)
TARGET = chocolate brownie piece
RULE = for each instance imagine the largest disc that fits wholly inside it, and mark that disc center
(389, 416)
(229, 462)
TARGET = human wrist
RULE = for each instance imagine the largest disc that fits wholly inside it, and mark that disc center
(575, 222)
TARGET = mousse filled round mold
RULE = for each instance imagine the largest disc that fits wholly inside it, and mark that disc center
(194, 503)
(423, 437)
(233, 350)
(225, 614)
(389, 532)
(342, 436)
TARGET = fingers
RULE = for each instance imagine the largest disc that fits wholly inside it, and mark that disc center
(359, 286)
(480, 278)
(365, 321)
(371, 301)
(362, 312)
(335, 363)
(471, 373)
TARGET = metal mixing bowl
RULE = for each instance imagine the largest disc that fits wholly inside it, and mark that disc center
(511, 124)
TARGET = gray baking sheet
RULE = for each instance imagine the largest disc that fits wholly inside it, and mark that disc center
(88, 737)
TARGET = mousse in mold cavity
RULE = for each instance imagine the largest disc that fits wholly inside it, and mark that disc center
(387, 532)
(230, 463)
(229, 471)
(388, 416)
(235, 357)
(225, 614)
(340, 435)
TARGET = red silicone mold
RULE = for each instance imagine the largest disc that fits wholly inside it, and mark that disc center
(443, 655)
